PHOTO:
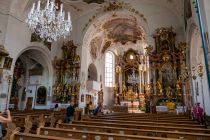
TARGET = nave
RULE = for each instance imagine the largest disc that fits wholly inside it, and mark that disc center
(48, 125)
(104, 69)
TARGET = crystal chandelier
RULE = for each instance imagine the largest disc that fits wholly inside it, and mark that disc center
(49, 23)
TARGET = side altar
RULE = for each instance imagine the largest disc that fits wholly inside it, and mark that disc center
(67, 86)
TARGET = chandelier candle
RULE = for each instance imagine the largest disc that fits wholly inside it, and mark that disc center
(49, 23)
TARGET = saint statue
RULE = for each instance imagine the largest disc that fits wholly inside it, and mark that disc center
(124, 88)
(168, 92)
(148, 90)
(77, 85)
(116, 88)
(178, 86)
(69, 89)
(159, 87)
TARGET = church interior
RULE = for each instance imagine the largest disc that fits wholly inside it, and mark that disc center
(133, 69)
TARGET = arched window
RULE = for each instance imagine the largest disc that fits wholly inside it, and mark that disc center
(109, 69)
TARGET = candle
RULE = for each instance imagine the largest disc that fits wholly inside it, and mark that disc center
(52, 5)
(47, 4)
(32, 10)
(61, 8)
(69, 16)
(38, 6)
(63, 15)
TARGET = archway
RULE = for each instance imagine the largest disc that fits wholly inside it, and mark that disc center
(92, 72)
(116, 34)
(31, 71)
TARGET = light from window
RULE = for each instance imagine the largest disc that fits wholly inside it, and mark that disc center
(109, 69)
(131, 57)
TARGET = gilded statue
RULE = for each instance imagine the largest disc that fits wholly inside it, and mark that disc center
(148, 88)
(124, 88)
(116, 88)
(77, 85)
(159, 87)
(69, 89)
(168, 92)
(178, 87)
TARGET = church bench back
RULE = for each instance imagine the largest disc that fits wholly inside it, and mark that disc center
(144, 122)
(140, 114)
(140, 117)
(131, 131)
(24, 136)
(91, 135)
(148, 120)
(151, 118)
(147, 127)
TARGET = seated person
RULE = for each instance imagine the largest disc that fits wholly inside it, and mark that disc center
(69, 113)
(97, 110)
(91, 108)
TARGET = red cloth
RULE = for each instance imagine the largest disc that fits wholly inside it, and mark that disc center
(198, 113)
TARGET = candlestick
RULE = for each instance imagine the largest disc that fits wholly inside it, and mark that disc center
(38, 6)
(47, 4)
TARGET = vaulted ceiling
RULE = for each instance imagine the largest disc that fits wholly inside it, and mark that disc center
(82, 7)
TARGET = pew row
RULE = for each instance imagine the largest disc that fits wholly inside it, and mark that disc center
(146, 127)
(145, 122)
(25, 136)
(152, 120)
(91, 135)
(131, 131)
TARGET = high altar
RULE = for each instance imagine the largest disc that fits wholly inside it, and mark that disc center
(159, 75)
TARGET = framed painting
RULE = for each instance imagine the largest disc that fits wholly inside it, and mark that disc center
(8, 63)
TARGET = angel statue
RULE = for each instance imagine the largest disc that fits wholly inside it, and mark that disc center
(124, 88)
(168, 92)
(178, 87)
(116, 88)
(159, 87)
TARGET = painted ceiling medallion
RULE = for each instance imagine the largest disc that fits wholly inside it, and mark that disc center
(124, 30)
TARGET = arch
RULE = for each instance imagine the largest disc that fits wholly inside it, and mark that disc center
(92, 72)
(44, 52)
(41, 55)
(95, 28)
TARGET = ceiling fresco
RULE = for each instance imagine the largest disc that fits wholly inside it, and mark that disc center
(124, 30)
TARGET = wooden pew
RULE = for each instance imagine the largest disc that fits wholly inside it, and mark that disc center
(90, 135)
(131, 131)
(30, 123)
(25, 136)
(145, 122)
(146, 127)
(140, 114)
(150, 120)
(149, 117)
